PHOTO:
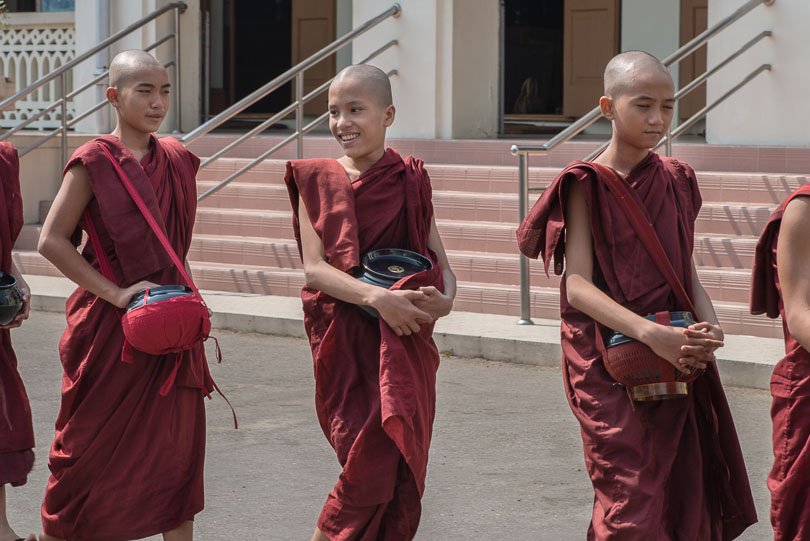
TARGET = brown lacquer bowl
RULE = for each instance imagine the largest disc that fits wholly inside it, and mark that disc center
(646, 375)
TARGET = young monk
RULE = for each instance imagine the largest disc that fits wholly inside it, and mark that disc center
(666, 470)
(375, 379)
(16, 429)
(781, 287)
(127, 459)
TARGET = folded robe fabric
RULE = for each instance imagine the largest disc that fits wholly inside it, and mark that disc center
(660, 470)
(16, 428)
(789, 478)
(375, 392)
(126, 461)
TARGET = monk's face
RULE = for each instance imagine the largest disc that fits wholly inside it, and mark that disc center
(142, 100)
(358, 118)
(642, 112)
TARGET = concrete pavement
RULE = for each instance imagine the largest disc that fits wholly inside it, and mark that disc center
(506, 460)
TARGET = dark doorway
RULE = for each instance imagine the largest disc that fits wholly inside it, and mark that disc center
(250, 43)
(533, 57)
(261, 42)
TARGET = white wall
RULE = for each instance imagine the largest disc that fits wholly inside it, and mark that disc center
(476, 47)
(416, 59)
(771, 109)
(447, 61)
(652, 26)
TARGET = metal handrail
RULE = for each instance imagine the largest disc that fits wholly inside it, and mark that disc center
(261, 92)
(297, 106)
(179, 7)
(523, 151)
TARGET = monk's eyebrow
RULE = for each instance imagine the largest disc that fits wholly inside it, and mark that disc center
(651, 98)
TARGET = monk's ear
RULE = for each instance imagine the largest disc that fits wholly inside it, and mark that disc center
(390, 113)
(112, 95)
(606, 105)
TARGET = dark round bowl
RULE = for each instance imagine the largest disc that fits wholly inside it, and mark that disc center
(387, 266)
(10, 298)
(157, 294)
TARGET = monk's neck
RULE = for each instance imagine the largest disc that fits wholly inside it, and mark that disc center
(136, 141)
(622, 158)
(356, 166)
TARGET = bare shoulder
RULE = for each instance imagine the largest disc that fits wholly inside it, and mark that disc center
(797, 214)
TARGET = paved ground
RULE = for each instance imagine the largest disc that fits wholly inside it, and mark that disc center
(506, 461)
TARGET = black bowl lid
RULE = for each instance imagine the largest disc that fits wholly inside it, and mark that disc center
(395, 263)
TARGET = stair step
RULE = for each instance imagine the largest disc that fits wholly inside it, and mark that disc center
(763, 188)
(739, 219)
(724, 251)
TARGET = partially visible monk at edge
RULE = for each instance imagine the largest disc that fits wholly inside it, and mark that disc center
(16, 427)
(375, 379)
(781, 287)
(127, 459)
(665, 470)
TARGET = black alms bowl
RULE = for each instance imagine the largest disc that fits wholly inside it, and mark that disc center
(157, 294)
(387, 266)
(10, 298)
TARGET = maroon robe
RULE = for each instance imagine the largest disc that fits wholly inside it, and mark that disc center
(789, 479)
(375, 392)
(127, 459)
(16, 429)
(669, 470)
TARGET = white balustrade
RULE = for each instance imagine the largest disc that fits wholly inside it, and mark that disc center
(33, 45)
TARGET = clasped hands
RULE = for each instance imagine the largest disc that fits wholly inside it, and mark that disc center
(687, 349)
(406, 310)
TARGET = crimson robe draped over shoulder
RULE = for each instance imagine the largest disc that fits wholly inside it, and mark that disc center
(127, 458)
(16, 428)
(789, 479)
(669, 470)
(375, 392)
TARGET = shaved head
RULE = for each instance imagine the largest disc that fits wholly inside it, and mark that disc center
(625, 69)
(126, 65)
(373, 79)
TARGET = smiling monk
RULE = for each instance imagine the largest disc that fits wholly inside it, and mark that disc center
(375, 379)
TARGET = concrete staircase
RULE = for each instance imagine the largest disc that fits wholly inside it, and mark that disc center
(243, 238)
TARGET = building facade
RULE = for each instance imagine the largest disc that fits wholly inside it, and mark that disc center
(466, 69)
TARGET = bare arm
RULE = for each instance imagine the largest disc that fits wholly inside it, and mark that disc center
(792, 253)
(439, 303)
(709, 326)
(54, 241)
(582, 294)
(395, 307)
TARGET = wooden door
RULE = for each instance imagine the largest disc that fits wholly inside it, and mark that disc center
(313, 28)
(694, 20)
(591, 39)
